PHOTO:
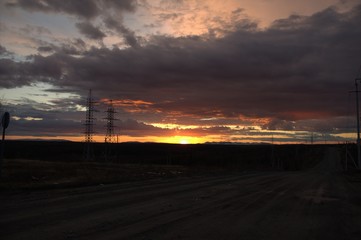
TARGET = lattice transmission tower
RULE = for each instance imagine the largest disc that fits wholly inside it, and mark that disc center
(89, 127)
(110, 136)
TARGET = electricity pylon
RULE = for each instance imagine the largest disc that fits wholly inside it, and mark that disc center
(89, 128)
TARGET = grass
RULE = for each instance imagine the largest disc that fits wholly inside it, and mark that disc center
(37, 174)
(37, 165)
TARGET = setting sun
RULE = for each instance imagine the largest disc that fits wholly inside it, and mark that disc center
(183, 140)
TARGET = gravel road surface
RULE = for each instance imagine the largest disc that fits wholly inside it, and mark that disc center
(323, 203)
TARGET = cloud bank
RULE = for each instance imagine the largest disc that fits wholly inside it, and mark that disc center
(293, 75)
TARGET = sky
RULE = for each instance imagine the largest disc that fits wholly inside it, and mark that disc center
(186, 71)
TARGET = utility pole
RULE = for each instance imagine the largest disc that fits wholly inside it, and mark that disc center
(5, 123)
(358, 125)
(273, 153)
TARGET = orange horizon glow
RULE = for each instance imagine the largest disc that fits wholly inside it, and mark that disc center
(197, 134)
(100, 139)
(184, 140)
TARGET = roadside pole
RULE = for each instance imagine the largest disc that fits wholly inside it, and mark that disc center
(5, 123)
(358, 125)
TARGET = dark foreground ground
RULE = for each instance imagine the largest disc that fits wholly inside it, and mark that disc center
(321, 203)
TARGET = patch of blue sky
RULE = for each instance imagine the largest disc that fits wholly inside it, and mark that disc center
(39, 92)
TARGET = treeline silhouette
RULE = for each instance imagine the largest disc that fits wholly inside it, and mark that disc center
(228, 156)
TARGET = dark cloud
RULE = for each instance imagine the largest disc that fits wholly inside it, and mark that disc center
(45, 49)
(128, 5)
(74, 46)
(299, 69)
(4, 52)
(44, 128)
(31, 118)
(90, 31)
(167, 16)
(136, 128)
(40, 69)
(12, 74)
(133, 128)
(82, 8)
(89, 10)
(129, 36)
(60, 115)
(279, 124)
(343, 124)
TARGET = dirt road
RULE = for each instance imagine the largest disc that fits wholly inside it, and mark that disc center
(318, 204)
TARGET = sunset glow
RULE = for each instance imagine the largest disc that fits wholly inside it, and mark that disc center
(181, 72)
(183, 141)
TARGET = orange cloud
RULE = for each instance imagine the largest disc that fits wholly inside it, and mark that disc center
(301, 115)
(129, 105)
